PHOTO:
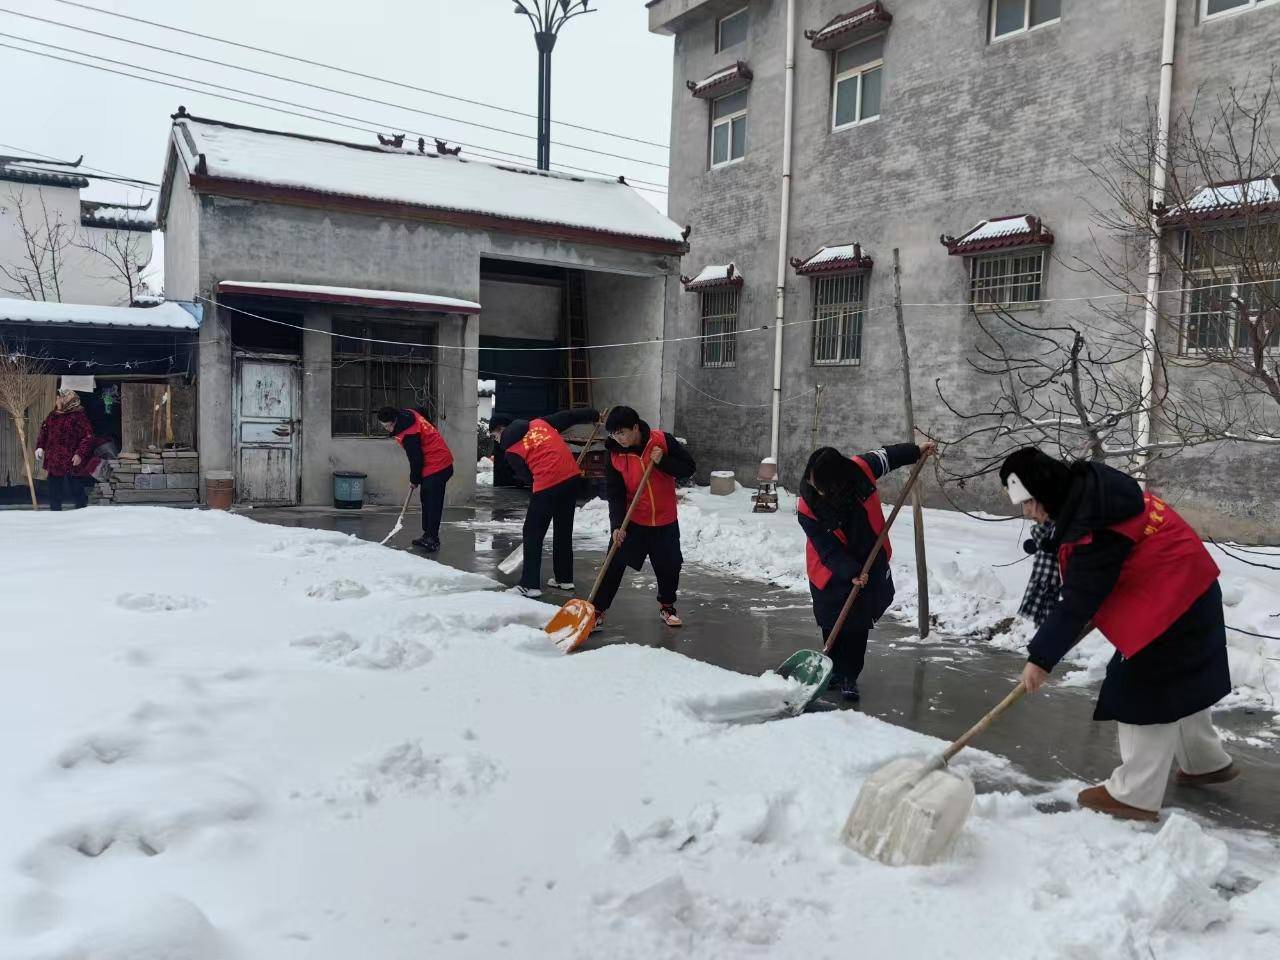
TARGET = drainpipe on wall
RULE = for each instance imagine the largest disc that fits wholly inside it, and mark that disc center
(783, 225)
(1159, 177)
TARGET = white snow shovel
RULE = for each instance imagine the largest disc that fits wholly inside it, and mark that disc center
(911, 811)
(400, 519)
(514, 560)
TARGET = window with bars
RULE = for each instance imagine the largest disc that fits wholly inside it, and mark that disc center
(839, 304)
(720, 327)
(368, 375)
(1006, 279)
(1233, 289)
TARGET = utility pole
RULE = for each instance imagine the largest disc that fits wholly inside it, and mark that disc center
(917, 512)
(547, 18)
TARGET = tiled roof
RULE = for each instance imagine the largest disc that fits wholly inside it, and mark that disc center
(23, 170)
(1222, 201)
(722, 275)
(847, 256)
(721, 83)
(849, 28)
(116, 216)
(1000, 233)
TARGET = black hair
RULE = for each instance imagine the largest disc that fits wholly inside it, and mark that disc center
(834, 486)
(499, 421)
(387, 414)
(1046, 479)
(621, 418)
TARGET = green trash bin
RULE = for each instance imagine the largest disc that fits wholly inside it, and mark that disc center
(348, 489)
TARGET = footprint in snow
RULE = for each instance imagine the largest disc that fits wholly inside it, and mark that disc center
(158, 602)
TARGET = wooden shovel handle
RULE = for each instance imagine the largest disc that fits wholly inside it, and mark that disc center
(996, 712)
(595, 431)
(613, 549)
(875, 552)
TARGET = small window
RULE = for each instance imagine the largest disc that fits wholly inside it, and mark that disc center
(1010, 17)
(1212, 8)
(859, 70)
(728, 128)
(839, 304)
(720, 327)
(731, 30)
(368, 375)
(1006, 279)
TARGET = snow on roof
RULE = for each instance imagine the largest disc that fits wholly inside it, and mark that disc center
(723, 82)
(26, 170)
(722, 275)
(848, 27)
(171, 314)
(427, 180)
(841, 257)
(397, 299)
(1216, 200)
(126, 216)
(1000, 232)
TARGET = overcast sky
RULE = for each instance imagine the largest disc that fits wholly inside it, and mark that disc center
(609, 73)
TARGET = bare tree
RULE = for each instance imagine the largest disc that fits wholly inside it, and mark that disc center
(45, 238)
(20, 386)
(121, 254)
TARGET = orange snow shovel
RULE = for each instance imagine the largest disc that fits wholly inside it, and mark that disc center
(875, 552)
(573, 622)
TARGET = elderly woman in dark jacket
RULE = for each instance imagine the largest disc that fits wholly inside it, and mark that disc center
(63, 445)
(1135, 570)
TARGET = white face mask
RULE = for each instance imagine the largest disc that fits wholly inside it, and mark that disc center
(1016, 490)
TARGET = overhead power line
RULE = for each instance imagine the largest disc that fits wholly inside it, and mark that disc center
(302, 83)
(367, 126)
(352, 73)
(91, 173)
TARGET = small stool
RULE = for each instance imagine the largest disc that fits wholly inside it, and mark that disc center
(766, 495)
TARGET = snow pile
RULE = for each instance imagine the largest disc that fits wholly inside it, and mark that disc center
(412, 770)
(484, 472)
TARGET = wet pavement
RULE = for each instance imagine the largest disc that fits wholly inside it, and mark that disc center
(938, 688)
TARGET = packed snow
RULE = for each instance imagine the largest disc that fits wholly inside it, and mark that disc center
(995, 229)
(225, 740)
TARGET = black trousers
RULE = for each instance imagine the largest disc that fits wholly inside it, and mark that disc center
(431, 489)
(661, 547)
(66, 486)
(553, 507)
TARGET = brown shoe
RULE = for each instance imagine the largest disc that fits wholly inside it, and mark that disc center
(1097, 798)
(1226, 774)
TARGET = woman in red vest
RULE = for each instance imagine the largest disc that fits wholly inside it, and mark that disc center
(654, 532)
(539, 456)
(840, 513)
(1135, 570)
(430, 466)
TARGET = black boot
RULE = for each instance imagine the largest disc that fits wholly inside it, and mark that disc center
(849, 690)
(422, 543)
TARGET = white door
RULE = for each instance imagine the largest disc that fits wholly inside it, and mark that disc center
(266, 431)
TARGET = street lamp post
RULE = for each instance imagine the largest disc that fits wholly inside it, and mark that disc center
(547, 17)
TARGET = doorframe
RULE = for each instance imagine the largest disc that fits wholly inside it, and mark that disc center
(238, 357)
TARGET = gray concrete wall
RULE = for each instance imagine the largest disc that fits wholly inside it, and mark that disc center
(968, 130)
(623, 310)
(182, 241)
(529, 311)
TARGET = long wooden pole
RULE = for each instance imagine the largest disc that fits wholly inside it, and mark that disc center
(917, 512)
(26, 459)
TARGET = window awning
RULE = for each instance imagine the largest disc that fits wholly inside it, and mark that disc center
(837, 259)
(710, 277)
(848, 28)
(1224, 201)
(352, 296)
(166, 315)
(722, 82)
(1000, 233)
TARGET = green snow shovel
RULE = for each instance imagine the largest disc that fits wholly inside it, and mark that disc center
(810, 668)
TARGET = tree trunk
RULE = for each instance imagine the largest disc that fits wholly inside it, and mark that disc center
(26, 459)
(917, 512)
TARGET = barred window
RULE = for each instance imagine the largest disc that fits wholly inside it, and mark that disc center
(1224, 314)
(369, 375)
(1006, 279)
(720, 327)
(839, 304)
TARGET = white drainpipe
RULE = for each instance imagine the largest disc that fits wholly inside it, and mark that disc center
(1159, 176)
(783, 225)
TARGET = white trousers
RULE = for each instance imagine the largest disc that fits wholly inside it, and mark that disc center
(1146, 752)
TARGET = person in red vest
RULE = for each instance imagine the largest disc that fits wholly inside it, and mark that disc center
(654, 531)
(1137, 571)
(839, 510)
(539, 456)
(430, 466)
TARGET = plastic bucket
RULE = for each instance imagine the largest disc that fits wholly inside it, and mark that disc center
(219, 489)
(348, 489)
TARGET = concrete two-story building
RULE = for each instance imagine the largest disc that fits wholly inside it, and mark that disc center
(982, 122)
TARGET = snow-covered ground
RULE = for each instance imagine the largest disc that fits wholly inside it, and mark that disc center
(977, 573)
(228, 740)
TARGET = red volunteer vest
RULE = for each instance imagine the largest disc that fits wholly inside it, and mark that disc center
(548, 456)
(435, 452)
(658, 507)
(820, 573)
(1167, 571)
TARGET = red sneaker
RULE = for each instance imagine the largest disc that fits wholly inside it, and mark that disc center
(669, 616)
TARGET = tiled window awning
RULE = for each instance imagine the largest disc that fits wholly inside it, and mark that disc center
(838, 259)
(849, 28)
(721, 83)
(710, 277)
(1224, 201)
(1000, 233)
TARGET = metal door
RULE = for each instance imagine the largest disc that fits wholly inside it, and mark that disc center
(266, 431)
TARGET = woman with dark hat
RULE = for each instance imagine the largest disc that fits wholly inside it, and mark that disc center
(1135, 570)
(839, 510)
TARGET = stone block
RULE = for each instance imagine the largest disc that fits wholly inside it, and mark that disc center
(150, 481)
(182, 481)
(127, 468)
(155, 496)
(152, 468)
(129, 456)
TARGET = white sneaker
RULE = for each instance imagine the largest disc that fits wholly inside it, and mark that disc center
(531, 592)
(555, 584)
